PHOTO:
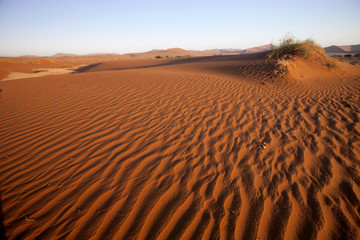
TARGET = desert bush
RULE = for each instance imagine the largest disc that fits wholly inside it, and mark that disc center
(348, 55)
(158, 56)
(290, 47)
(357, 55)
(331, 64)
(281, 68)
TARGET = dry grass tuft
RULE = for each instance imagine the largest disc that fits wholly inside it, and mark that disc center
(281, 68)
(289, 48)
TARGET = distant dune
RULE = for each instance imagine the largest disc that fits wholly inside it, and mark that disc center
(182, 52)
(212, 147)
(169, 52)
(29, 56)
(258, 49)
(343, 49)
(173, 52)
(59, 55)
(30, 63)
(196, 53)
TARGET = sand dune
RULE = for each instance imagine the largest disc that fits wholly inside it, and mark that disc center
(201, 148)
(343, 49)
(39, 73)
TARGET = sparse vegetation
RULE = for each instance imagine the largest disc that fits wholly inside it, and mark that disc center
(352, 59)
(44, 60)
(186, 56)
(290, 47)
(281, 68)
(4, 60)
(167, 56)
(39, 70)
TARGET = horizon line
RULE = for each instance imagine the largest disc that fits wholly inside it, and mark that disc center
(154, 49)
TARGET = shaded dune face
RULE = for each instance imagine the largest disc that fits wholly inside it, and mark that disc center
(207, 148)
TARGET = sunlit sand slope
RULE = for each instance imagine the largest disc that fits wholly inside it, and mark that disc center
(203, 148)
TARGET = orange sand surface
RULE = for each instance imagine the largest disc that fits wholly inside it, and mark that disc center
(197, 148)
(39, 73)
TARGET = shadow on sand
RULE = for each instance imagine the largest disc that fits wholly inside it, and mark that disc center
(2, 227)
(203, 59)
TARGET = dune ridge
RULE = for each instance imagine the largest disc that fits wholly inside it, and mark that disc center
(204, 148)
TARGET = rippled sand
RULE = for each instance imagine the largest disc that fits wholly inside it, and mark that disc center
(200, 148)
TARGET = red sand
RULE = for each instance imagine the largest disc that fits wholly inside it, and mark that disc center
(170, 149)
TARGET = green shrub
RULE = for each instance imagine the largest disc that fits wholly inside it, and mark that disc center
(289, 47)
(158, 56)
(348, 55)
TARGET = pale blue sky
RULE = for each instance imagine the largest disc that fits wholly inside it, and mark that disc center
(45, 27)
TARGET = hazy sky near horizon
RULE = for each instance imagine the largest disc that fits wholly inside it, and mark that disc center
(46, 27)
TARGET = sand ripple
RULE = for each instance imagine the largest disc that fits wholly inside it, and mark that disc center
(175, 152)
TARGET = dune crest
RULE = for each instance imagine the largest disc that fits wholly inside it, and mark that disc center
(201, 148)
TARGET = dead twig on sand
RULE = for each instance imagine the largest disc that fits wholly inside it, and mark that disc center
(29, 219)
